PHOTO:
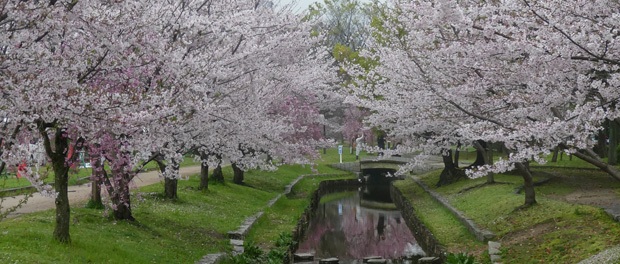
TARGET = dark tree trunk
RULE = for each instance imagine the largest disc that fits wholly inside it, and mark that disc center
(483, 157)
(554, 158)
(238, 174)
(122, 200)
(601, 144)
(381, 141)
(95, 193)
(450, 172)
(96, 180)
(457, 154)
(60, 165)
(204, 174)
(2, 165)
(170, 185)
(170, 188)
(528, 184)
(591, 157)
(63, 211)
(614, 134)
(217, 175)
(481, 153)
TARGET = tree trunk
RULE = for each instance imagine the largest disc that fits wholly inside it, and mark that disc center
(238, 174)
(95, 194)
(528, 184)
(60, 166)
(217, 175)
(121, 196)
(554, 158)
(601, 144)
(591, 157)
(204, 176)
(2, 165)
(63, 211)
(450, 172)
(170, 185)
(381, 141)
(457, 154)
(614, 133)
(95, 191)
(170, 188)
(484, 157)
(122, 201)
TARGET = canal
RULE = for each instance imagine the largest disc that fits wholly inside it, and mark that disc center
(353, 225)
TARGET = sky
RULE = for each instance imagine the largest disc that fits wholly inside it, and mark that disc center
(301, 5)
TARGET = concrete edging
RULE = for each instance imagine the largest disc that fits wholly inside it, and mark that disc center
(423, 235)
(481, 234)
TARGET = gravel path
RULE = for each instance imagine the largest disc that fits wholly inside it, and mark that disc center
(610, 256)
(81, 193)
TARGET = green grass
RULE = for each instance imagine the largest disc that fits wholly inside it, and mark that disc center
(180, 231)
(446, 228)
(165, 232)
(552, 231)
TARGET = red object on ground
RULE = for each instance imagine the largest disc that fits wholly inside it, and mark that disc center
(21, 169)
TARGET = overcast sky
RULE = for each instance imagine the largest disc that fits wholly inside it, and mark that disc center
(300, 5)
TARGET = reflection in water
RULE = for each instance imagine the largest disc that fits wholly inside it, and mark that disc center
(348, 231)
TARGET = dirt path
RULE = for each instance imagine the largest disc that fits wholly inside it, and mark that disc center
(80, 193)
(597, 190)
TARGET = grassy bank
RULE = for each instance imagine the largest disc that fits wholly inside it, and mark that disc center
(180, 231)
(553, 231)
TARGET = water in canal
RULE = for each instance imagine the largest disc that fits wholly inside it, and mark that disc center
(354, 225)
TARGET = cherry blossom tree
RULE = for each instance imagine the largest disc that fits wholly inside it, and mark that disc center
(137, 81)
(531, 75)
(69, 68)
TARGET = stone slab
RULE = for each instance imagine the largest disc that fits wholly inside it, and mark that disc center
(366, 259)
(329, 261)
(303, 256)
(429, 260)
(236, 242)
(494, 248)
(211, 258)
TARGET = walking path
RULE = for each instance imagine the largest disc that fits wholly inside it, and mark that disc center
(81, 193)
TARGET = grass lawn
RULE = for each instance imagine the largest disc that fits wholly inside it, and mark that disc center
(179, 231)
(553, 231)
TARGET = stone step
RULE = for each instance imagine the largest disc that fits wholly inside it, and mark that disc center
(329, 261)
(303, 256)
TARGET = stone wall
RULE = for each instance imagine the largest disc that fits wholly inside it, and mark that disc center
(423, 235)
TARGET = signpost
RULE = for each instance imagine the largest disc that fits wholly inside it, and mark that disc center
(340, 152)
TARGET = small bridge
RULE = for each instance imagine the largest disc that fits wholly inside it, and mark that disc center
(388, 163)
(383, 165)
